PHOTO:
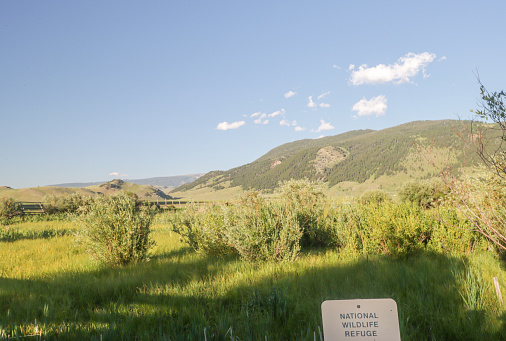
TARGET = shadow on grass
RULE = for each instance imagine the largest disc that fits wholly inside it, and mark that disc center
(179, 295)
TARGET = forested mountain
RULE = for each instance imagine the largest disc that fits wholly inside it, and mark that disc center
(353, 156)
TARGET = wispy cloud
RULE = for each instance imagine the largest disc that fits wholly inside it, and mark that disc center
(311, 104)
(323, 126)
(336, 67)
(298, 128)
(226, 126)
(324, 105)
(287, 123)
(442, 58)
(400, 72)
(256, 114)
(374, 106)
(324, 94)
(118, 174)
(276, 113)
(261, 118)
(290, 94)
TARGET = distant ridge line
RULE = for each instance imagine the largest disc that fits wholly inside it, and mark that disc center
(163, 181)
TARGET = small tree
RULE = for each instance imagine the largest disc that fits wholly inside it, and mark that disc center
(483, 201)
(8, 209)
(488, 140)
(115, 231)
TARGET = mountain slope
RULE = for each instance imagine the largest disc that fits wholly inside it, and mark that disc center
(353, 156)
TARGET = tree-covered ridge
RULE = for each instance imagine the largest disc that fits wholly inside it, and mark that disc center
(288, 149)
(365, 154)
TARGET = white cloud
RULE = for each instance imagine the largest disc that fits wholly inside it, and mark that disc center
(323, 95)
(323, 126)
(290, 94)
(297, 128)
(118, 174)
(351, 67)
(256, 114)
(261, 119)
(399, 72)
(336, 67)
(442, 58)
(374, 106)
(287, 123)
(227, 126)
(311, 104)
(276, 113)
(324, 105)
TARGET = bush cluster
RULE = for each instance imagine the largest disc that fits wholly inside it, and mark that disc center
(65, 203)
(115, 230)
(257, 228)
(300, 217)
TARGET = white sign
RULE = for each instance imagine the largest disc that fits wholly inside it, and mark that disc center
(361, 320)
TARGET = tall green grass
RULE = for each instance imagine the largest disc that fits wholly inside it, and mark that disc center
(184, 295)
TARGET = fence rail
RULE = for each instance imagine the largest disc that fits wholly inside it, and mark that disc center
(32, 207)
(36, 207)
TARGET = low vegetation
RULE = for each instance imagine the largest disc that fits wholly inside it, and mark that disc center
(442, 284)
(114, 230)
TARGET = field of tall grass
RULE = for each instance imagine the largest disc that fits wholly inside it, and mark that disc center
(441, 278)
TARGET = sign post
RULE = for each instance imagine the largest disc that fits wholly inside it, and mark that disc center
(361, 320)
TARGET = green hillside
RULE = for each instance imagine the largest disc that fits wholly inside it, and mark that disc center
(405, 151)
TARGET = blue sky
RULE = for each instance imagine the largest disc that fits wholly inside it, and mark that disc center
(96, 90)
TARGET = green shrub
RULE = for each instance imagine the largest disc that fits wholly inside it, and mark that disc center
(202, 228)
(261, 231)
(8, 209)
(452, 233)
(306, 201)
(65, 203)
(374, 196)
(349, 225)
(394, 229)
(252, 227)
(115, 231)
(425, 194)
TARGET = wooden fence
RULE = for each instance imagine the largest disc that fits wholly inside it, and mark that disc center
(34, 207)
(164, 203)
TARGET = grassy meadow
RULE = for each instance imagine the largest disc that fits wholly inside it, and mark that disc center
(50, 287)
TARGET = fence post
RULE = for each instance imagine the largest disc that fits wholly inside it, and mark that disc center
(497, 289)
